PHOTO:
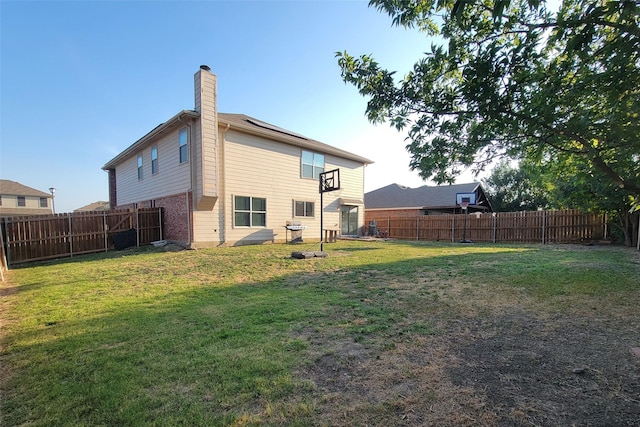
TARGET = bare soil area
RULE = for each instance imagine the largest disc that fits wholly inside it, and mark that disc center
(489, 360)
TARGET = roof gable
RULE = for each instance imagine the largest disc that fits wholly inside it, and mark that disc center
(242, 123)
(12, 188)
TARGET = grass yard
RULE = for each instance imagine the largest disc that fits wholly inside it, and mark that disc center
(379, 333)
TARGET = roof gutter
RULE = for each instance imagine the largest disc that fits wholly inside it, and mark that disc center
(298, 142)
(158, 130)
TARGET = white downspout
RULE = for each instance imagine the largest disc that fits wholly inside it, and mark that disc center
(223, 199)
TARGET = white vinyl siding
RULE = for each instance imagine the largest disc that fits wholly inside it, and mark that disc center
(270, 169)
(172, 179)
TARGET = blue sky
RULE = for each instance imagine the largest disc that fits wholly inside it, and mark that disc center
(83, 80)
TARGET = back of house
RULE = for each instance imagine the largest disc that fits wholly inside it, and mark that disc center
(230, 179)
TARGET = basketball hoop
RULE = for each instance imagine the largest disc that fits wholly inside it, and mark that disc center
(328, 181)
(464, 205)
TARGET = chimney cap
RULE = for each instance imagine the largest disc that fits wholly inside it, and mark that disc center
(205, 67)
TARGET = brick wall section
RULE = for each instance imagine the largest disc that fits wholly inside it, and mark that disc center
(176, 218)
(113, 195)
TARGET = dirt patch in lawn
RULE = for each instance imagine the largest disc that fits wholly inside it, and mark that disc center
(486, 361)
(505, 370)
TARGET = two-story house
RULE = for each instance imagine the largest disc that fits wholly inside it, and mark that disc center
(232, 179)
(17, 199)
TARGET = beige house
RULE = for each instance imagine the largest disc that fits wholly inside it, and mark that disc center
(229, 179)
(17, 199)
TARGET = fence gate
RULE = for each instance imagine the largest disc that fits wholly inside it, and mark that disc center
(42, 237)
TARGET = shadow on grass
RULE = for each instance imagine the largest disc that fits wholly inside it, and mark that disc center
(188, 348)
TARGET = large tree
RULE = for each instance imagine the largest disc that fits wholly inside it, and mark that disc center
(564, 181)
(513, 79)
(510, 188)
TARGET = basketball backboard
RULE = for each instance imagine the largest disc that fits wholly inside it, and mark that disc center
(465, 198)
(330, 181)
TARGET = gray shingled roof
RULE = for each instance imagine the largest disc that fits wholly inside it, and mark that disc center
(397, 196)
(250, 124)
(12, 188)
(243, 123)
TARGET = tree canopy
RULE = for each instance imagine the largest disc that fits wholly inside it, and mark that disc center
(513, 79)
(512, 189)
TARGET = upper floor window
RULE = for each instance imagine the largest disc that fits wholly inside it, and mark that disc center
(0, 200)
(154, 160)
(140, 166)
(43, 202)
(312, 164)
(303, 208)
(182, 144)
(22, 201)
(250, 211)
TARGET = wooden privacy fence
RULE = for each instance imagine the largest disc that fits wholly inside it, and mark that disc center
(567, 226)
(41, 237)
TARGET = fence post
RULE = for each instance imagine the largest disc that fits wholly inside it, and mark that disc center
(544, 226)
(8, 254)
(4, 264)
(137, 228)
(70, 237)
(160, 221)
(453, 227)
(495, 224)
(417, 228)
(104, 228)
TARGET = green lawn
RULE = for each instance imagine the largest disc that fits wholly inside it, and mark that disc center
(250, 336)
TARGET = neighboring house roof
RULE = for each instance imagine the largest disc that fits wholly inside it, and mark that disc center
(242, 123)
(395, 196)
(12, 188)
(95, 206)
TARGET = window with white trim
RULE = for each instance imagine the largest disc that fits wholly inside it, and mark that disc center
(154, 160)
(43, 202)
(139, 167)
(312, 164)
(249, 211)
(22, 201)
(302, 208)
(182, 145)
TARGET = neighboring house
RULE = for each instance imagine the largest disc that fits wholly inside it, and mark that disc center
(94, 207)
(17, 199)
(396, 200)
(227, 179)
